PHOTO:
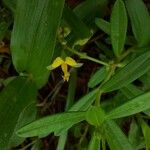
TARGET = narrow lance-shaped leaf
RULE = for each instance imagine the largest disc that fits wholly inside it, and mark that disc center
(131, 91)
(81, 105)
(85, 102)
(140, 21)
(78, 27)
(115, 137)
(18, 94)
(34, 36)
(103, 25)
(118, 27)
(129, 73)
(50, 124)
(97, 77)
(90, 9)
(134, 106)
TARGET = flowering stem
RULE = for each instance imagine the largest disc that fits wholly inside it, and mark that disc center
(84, 56)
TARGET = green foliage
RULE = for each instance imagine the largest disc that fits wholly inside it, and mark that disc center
(97, 77)
(34, 37)
(14, 99)
(115, 137)
(135, 105)
(95, 116)
(140, 21)
(118, 25)
(133, 70)
(105, 104)
(51, 124)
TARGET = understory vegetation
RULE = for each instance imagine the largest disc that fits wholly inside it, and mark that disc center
(74, 75)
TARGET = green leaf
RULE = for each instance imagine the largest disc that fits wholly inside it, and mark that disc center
(97, 77)
(90, 9)
(95, 116)
(103, 25)
(134, 106)
(18, 94)
(78, 27)
(140, 21)
(118, 27)
(34, 36)
(129, 73)
(26, 116)
(115, 137)
(50, 124)
(131, 91)
(85, 102)
(81, 105)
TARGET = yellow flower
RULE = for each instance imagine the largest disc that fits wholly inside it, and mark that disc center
(64, 66)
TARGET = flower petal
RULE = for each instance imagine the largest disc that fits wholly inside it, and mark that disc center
(64, 68)
(70, 61)
(56, 63)
(66, 77)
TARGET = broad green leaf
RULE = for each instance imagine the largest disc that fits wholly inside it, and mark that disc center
(103, 25)
(129, 73)
(97, 77)
(146, 133)
(95, 116)
(34, 36)
(115, 137)
(140, 21)
(50, 124)
(94, 143)
(118, 27)
(131, 107)
(15, 97)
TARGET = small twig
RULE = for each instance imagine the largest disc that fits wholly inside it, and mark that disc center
(50, 94)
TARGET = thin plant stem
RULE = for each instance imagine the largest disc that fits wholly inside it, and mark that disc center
(85, 56)
(69, 103)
